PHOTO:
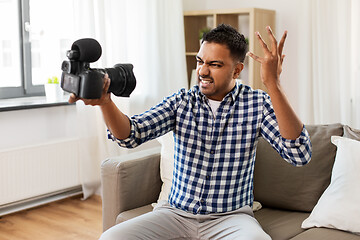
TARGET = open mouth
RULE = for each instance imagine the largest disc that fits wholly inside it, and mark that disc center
(205, 81)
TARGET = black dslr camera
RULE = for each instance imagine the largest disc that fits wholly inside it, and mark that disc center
(85, 82)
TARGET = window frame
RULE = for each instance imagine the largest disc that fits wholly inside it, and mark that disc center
(26, 88)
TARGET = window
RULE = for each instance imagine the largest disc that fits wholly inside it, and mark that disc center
(34, 37)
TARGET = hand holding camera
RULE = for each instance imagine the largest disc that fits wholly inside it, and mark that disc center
(104, 99)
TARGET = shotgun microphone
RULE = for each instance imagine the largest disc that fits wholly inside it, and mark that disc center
(85, 50)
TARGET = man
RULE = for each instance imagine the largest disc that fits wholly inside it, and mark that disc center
(216, 127)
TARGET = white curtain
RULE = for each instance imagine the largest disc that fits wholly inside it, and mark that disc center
(148, 34)
(330, 65)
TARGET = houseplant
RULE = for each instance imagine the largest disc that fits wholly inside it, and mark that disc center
(202, 31)
(53, 91)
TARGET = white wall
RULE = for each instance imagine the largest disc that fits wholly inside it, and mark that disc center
(288, 17)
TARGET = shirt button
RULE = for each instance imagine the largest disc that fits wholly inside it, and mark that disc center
(212, 151)
(202, 201)
(208, 177)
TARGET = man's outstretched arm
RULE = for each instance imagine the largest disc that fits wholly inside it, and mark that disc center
(271, 66)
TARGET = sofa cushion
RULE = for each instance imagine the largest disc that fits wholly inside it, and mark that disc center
(166, 164)
(280, 185)
(338, 206)
(324, 233)
(281, 224)
(351, 133)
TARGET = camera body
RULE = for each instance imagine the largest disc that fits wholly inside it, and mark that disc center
(85, 82)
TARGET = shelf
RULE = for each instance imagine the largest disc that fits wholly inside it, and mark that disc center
(191, 53)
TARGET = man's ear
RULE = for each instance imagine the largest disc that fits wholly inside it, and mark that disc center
(238, 68)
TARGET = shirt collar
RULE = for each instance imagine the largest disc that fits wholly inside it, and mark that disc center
(233, 93)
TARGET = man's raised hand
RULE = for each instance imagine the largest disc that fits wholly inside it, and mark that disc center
(271, 62)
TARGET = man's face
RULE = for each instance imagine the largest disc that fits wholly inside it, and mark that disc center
(216, 70)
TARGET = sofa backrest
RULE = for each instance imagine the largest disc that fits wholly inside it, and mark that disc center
(278, 184)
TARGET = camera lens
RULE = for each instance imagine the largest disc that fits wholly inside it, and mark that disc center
(123, 81)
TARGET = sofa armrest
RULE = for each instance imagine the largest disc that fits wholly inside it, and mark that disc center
(128, 182)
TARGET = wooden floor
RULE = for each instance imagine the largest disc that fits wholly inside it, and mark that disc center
(67, 219)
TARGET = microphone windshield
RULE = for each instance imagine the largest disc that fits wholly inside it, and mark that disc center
(89, 49)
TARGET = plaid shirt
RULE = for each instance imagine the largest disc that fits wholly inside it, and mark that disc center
(214, 156)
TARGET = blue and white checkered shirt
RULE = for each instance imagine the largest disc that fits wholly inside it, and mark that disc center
(214, 156)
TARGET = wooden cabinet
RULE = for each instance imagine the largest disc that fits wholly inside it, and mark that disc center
(246, 21)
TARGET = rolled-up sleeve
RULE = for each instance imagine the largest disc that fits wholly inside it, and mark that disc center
(297, 152)
(128, 142)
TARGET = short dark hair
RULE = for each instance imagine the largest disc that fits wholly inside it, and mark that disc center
(229, 36)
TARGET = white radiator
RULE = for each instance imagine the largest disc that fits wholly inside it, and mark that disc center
(32, 171)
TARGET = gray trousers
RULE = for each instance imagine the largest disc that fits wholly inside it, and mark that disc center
(167, 222)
